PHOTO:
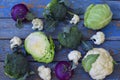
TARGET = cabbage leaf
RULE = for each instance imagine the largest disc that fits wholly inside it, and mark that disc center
(88, 61)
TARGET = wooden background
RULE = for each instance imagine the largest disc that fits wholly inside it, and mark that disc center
(8, 30)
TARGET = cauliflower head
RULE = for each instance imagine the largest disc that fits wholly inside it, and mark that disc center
(37, 24)
(15, 41)
(98, 38)
(44, 73)
(75, 19)
(98, 63)
(74, 56)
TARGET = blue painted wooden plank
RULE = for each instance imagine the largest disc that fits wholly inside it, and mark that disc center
(8, 30)
(61, 54)
(37, 6)
(79, 73)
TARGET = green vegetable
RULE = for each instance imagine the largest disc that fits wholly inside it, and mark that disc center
(16, 66)
(50, 25)
(55, 11)
(88, 61)
(71, 38)
(97, 16)
(41, 49)
(67, 3)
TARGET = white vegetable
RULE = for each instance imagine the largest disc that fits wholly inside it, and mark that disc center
(103, 66)
(75, 19)
(98, 38)
(37, 24)
(44, 73)
(15, 41)
(74, 56)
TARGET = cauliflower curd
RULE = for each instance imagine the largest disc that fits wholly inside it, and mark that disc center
(37, 24)
(15, 41)
(98, 38)
(75, 19)
(74, 56)
(44, 73)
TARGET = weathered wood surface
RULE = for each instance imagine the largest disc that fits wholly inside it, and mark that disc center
(37, 6)
(8, 30)
(61, 54)
(80, 74)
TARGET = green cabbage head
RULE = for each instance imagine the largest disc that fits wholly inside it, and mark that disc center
(40, 47)
(97, 16)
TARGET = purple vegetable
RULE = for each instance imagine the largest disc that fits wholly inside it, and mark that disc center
(19, 11)
(63, 70)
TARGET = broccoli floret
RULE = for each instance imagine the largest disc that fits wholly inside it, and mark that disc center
(71, 38)
(16, 66)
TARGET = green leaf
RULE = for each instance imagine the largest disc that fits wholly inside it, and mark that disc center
(114, 62)
(30, 16)
(67, 3)
(26, 75)
(51, 43)
(47, 14)
(78, 11)
(50, 25)
(55, 11)
(70, 39)
(88, 61)
(53, 2)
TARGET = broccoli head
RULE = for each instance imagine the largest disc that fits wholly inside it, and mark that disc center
(16, 66)
(71, 38)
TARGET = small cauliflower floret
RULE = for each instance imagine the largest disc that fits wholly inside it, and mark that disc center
(98, 38)
(98, 63)
(15, 41)
(44, 73)
(75, 19)
(74, 56)
(37, 24)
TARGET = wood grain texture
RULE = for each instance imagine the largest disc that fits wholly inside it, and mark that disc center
(61, 54)
(37, 7)
(8, 30)
(79, 73)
